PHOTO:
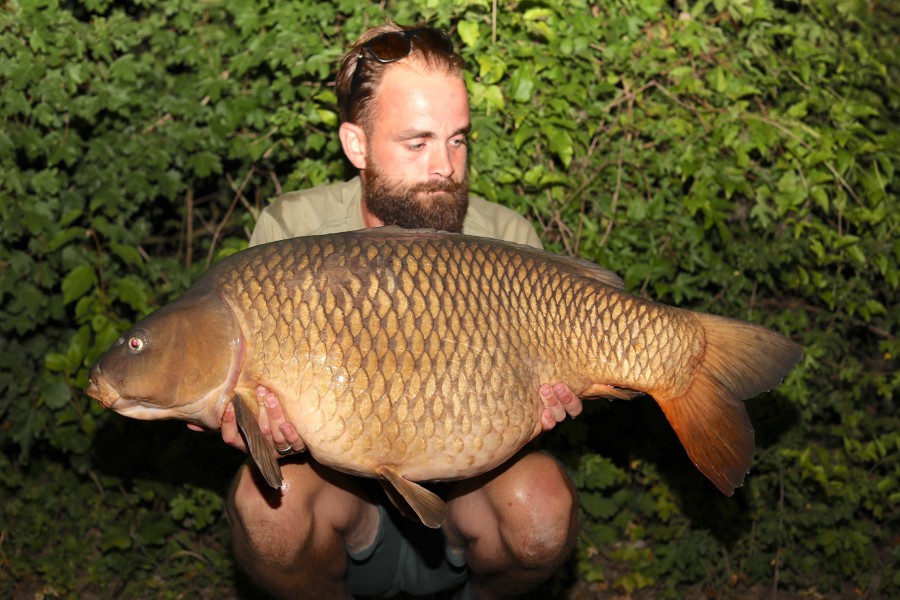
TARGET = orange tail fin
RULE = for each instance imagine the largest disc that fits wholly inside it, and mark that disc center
(741, 361)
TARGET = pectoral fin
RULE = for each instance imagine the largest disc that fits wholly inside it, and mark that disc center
(257, 443)
(428, 506)
(602, 390)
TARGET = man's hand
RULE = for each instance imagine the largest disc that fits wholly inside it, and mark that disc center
(272, 423)
(559, 401)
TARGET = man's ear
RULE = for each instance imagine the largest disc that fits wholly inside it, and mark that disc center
(353, 140)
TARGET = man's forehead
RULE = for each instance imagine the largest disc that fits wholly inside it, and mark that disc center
(416, 71)
(416, 96)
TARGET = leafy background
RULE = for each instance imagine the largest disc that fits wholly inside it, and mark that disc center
(733, 157)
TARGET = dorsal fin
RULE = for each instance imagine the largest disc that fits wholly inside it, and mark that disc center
(429, 507)
(259, 446)
(583, 267)
(586, 268)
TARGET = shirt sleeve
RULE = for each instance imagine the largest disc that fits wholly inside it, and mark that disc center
(267, 229)
(491, 220)
(315, 211)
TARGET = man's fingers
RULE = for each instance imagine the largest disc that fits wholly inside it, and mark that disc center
(553, 411)
(285, 438)
(567, 398)
(548, 421)
(231, 435)
(551, 402)
(292, 437)
(559, 402)
(271, 419)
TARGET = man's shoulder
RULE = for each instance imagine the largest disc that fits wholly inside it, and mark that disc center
(321, 209)
(489, 219)
(327, 197)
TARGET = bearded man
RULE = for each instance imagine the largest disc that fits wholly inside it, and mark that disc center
(405, 126)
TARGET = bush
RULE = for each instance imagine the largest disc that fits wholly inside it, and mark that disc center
(733, 157)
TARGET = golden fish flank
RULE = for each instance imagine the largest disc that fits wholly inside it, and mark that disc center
(414, 356)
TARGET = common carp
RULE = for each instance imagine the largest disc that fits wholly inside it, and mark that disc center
(417, 355)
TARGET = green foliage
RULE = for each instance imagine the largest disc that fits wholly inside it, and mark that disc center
(736, 157)
(53, 522)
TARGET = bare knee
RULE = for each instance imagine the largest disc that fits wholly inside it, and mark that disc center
(522, 518)
(264, 524)
(538, 521)
(294, 543)
(313, 521)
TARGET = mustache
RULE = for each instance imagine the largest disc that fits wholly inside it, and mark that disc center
(442, 185)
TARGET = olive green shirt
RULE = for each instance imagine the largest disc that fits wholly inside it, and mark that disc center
(338, 207)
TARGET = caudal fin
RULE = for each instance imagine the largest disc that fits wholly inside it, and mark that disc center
(741, 361)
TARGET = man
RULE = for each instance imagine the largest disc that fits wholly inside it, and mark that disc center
(405, 116)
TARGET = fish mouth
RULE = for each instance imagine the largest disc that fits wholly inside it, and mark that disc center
(100, 390)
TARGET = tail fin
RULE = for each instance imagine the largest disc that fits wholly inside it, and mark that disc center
(741, 361)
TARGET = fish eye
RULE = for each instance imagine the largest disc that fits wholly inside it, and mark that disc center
(135, 344)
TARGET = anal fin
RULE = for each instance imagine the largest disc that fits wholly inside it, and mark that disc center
(257, 443)
(427, 505)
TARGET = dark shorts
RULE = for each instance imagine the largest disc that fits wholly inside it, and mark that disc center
(406, 556)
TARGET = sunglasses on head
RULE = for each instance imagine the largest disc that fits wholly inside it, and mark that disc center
(392, 46)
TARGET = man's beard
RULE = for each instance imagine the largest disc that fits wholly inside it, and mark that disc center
(429, 205)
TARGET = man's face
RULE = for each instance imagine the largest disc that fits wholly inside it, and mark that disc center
(416, 171)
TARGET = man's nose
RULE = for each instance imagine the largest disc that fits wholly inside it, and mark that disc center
(440, 162)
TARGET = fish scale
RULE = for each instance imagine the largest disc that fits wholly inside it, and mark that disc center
(417, 355)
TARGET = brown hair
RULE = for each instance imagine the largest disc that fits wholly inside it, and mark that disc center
(357, 105)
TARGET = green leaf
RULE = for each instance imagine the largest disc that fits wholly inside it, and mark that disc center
(491, 69)
(57, 362)
(124, 68)
(538, 14)
(115, 538)
(77, 283)
(560, 142)
(493, 95)
(522, 85)
(597, 506)
(204, 164)
(523, 134)
(128, 253)
(57, 395)
(63, 237)
(469, 32)
(327, 117)
(133, 293)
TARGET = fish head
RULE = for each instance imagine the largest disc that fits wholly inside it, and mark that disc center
(181, 362)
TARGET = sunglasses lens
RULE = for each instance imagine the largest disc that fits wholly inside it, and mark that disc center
(390, 46)
(395, 45)
(435, 39)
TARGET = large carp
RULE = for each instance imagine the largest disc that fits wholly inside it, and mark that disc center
(417, 355)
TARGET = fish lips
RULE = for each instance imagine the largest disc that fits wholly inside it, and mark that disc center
(100, 390)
